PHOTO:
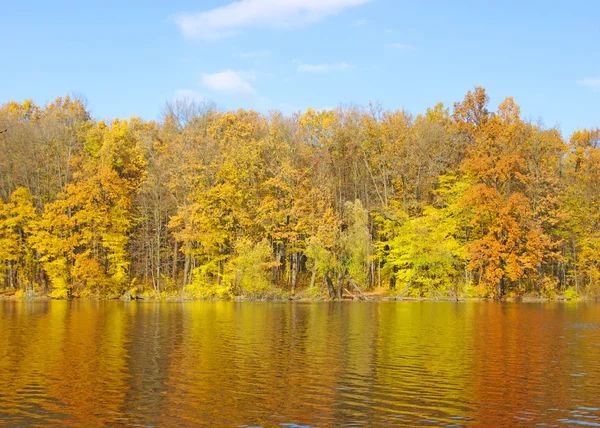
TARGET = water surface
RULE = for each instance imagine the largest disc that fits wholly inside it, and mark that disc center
(88, 363)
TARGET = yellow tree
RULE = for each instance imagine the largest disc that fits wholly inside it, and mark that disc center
(583, 221)
(227, 199)
(39, 145)
(84, 234)
(18, 223)
(427, 252)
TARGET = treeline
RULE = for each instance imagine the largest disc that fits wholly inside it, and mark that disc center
(204, 204)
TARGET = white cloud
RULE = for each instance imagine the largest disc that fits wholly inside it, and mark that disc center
(253, 75)
(188, 95)
(230, 19)
(591, 82)
(252, 55)
(228, 82)
(360, 22)
(324, 68)
(401, 46)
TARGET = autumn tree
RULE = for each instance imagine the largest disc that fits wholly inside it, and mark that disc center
(206, 203)
(18, 259)
(84, 234)
(581, 225)
(511, 244)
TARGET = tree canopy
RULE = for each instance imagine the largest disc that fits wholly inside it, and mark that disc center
(464, 203)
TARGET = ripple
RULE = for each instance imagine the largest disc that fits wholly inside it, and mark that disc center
(298, 365)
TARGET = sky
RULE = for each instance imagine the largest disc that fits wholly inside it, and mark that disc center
(129, 58)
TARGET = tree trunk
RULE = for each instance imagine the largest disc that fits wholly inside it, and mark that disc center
(340, 290)
(356, 287)
(499, 289)
(186, 266)
(158, 266)
(174, 269)
(295, 267)
(314, 274)
(330, 287)
(404, 193)
(11, 278)
(405, 289)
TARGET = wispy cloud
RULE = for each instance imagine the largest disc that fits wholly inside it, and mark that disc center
(401, 46)
(591, 82)
(360, 22)
(252, 55)
(228, 82)
(232, 18)
(324, 68)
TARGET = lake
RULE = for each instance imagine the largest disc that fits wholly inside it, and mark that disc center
(88, 363)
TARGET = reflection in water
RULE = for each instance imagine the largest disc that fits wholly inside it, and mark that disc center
(87, 363)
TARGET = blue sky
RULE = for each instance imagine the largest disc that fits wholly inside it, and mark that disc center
(130, 57)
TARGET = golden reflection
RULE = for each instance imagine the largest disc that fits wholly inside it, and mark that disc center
(89, 363)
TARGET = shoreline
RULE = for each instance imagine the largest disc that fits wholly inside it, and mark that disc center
(302, 299)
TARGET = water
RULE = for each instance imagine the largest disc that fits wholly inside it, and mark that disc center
(88, 363)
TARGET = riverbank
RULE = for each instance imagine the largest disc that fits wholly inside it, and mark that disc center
(301, 296)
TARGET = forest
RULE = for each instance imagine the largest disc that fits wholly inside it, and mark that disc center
(465, 202)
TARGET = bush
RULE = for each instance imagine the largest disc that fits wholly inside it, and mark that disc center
(248, 273)
(571, 293)
(203, 287)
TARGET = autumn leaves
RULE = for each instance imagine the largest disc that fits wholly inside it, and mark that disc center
(210, 204)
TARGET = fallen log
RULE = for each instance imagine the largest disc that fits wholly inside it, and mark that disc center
(356, 287)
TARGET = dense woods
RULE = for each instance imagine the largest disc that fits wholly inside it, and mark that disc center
(461, 202)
